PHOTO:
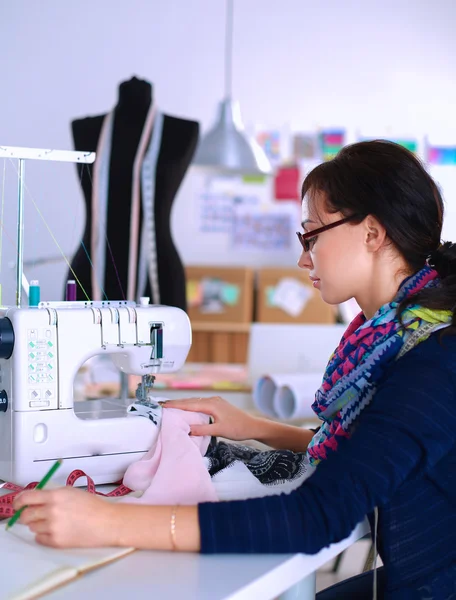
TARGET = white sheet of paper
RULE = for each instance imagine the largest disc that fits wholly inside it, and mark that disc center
(291, 296)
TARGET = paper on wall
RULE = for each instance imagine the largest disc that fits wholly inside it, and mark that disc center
(291, 296)
(265, 227)
(216, 212)
(261, 230)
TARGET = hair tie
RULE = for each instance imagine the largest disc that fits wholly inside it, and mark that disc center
(443, 259)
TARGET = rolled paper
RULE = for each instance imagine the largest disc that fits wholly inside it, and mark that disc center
(286, 395)
(294, 399)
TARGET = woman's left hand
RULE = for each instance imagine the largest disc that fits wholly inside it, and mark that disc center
(68, 517)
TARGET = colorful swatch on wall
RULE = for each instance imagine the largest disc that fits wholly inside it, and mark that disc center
(411, 145)
(287, 184)
(270, 142)
(331, 141)
(304, 146)
(441, 155)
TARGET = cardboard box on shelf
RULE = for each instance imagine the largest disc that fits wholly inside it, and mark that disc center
(219, 294)
(287, 296)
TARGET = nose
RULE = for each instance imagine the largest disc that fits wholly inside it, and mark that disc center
(305, 260)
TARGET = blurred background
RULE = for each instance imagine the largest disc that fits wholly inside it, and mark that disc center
(366, 69)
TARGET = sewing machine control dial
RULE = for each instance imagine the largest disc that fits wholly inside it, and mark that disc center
(3, 401)
(6, 338)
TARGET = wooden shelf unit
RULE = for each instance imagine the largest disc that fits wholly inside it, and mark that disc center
(219, 342)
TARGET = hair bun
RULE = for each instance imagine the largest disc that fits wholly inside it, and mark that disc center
(443, 260)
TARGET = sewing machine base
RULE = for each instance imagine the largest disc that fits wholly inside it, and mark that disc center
(95, 438)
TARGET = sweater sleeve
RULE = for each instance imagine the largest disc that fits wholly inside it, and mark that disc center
(407, 429)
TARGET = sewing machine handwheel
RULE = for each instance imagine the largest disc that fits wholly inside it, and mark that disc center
(6, 338)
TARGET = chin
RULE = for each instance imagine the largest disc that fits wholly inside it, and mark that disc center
(332, 297)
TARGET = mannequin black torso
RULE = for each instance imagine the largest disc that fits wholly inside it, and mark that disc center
(178, 144)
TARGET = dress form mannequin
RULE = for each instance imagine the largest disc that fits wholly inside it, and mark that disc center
(176, 148)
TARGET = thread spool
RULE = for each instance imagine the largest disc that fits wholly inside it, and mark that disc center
(34, 292)
(71, 290)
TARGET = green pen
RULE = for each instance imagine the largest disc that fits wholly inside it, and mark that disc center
(40, 486)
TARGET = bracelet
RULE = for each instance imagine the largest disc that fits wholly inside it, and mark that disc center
(173, 529)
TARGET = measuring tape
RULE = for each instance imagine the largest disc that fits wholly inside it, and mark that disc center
(6, 501)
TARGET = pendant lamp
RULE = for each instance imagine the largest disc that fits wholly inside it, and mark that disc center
(226, 148)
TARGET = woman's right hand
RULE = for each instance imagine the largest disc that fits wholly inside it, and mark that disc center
(228, 421)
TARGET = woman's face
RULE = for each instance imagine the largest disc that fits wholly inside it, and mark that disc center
(337, 261)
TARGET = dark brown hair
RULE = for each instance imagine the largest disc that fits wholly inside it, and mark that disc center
(389, 182)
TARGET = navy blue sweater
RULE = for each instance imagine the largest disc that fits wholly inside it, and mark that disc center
(401, 458)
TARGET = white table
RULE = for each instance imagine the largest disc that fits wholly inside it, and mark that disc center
(167, 576)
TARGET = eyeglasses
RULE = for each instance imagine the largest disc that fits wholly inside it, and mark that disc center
(308, 239)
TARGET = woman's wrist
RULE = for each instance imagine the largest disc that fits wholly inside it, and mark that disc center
(263, 429)
(152, 527)
(114, 524)
(259, 428)
(133, 525)
(281, 435)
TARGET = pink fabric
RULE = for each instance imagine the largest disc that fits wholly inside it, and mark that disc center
(173, 471)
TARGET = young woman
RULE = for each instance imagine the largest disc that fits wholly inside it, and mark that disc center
(372, 221)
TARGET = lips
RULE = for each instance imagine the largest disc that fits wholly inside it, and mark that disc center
(315, 282)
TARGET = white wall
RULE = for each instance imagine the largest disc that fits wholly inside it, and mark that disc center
(375, 66)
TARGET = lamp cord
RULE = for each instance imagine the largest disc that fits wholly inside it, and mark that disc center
(228, 48)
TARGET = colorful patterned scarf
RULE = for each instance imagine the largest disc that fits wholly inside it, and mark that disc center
(366, 350)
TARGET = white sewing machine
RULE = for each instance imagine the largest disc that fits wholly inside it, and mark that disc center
(41, 350)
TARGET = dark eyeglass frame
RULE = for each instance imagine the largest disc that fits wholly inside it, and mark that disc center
(305, 238)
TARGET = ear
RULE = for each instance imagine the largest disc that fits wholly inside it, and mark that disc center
(375, 234)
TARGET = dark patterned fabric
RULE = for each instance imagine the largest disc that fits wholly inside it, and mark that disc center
(273, 467)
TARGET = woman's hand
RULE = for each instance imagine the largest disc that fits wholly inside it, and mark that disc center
(229, 422)
(235, 424)
(68, 517)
